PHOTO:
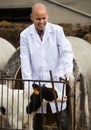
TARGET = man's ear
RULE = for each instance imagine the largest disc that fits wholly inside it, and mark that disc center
(31, 17)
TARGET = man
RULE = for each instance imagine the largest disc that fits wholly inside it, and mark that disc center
(40, 54)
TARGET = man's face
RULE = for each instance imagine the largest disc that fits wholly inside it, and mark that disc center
(39, 18)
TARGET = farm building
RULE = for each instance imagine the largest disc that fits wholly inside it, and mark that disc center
(81, 50)
(60, 11)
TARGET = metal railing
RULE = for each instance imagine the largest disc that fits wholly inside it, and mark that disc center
(13, 104)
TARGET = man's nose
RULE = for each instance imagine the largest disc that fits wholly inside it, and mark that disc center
(41, 21)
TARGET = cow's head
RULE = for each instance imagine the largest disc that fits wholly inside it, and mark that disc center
(40, 93)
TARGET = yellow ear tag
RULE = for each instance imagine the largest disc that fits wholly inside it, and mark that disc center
(36, 91)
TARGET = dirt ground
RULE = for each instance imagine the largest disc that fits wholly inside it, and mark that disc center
(11, 31)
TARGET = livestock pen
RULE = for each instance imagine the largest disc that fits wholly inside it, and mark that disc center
(82, 67)
(13, 103)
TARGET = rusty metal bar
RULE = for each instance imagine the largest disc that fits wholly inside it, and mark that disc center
(74, 106)
(41, 106)
(29, 80)
(23, 110)
(12, 83)
(2, 104)
(62, 97)
(7, 97)
(69, 106)
(12, 102)
(58, 121)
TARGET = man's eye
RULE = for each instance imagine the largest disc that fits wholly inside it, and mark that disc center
(41, 18)
(44, 18)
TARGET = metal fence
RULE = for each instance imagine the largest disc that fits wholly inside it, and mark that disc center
(13, 102)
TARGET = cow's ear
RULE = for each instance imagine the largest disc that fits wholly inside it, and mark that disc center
(35, 86)
(36, 92)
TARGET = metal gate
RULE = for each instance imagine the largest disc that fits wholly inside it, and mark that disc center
(13, 102)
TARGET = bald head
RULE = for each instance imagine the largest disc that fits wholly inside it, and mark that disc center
(39, 16)
(38, 7)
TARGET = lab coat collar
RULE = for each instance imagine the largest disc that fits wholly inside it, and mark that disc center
(33, 33)
(35, 36)
(48, 31)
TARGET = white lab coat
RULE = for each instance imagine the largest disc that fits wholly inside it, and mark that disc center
(39, 57)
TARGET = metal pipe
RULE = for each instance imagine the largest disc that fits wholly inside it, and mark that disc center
(56, 105)
(70, 8)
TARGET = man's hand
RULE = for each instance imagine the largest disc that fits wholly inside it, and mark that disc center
(70, 78)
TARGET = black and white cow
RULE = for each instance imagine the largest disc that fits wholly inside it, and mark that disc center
(16, 106)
